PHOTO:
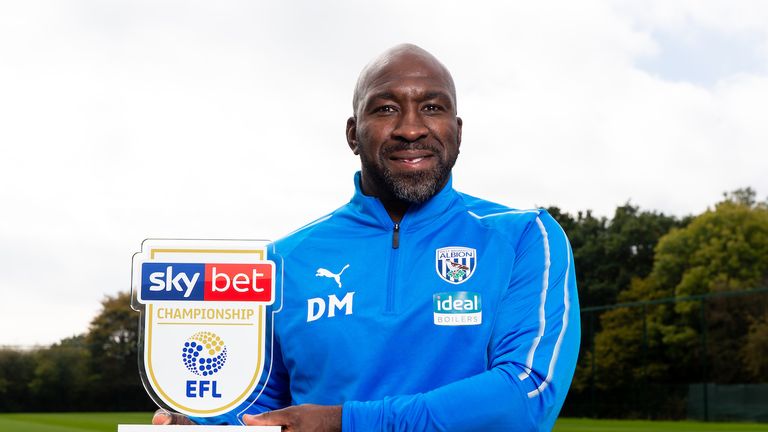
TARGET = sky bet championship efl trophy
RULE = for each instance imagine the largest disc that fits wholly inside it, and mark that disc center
(206, 325)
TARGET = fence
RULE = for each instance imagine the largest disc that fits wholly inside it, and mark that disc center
(702, 357)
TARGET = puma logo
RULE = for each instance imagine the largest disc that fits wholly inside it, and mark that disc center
(321, 272)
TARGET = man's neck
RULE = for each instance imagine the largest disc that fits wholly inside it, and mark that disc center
(395, 208)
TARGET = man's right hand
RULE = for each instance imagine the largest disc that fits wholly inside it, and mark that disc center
(163, 417)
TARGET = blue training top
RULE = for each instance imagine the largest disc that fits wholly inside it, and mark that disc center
(463, 317)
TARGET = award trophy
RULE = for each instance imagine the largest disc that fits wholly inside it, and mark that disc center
(206, 326)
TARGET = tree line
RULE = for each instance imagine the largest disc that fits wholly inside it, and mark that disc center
(699, 313)
(633, 256)
(95, 371)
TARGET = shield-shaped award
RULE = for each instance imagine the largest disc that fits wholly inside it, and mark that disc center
(206, 321)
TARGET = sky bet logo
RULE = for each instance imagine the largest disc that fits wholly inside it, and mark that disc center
(457, 308)
(207, 282)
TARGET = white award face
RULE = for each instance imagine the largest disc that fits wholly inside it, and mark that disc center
(206, 327)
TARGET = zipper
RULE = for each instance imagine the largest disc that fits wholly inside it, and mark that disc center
(396, 236)
(393, 264)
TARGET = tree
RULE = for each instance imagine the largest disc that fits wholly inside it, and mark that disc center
(610, 253)
(756, 348)
(95, 371)
(16, 371)
(112, 342)
(60, 378)
(725, 249)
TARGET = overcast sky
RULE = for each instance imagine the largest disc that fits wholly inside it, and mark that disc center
(122, 120)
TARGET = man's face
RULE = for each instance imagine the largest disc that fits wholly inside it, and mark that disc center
(406, 130)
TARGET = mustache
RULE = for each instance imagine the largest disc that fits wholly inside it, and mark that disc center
(416, 145)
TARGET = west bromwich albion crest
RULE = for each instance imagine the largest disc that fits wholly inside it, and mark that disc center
(455, 264)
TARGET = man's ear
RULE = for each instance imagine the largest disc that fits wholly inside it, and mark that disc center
(352, 135)
(459, 124)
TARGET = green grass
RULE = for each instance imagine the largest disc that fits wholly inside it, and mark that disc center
(107, 422)
(589, 425)
(70, 422)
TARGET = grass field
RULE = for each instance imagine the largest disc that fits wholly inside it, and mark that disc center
(69, 422)
(585, 425)
(107, 422)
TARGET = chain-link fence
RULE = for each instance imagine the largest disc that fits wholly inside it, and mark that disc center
(702, 357)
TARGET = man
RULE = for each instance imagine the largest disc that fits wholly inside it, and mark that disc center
(440, 311)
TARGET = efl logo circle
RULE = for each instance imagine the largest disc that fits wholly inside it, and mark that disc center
(204, 353)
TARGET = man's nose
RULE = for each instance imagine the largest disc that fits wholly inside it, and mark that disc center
(410, 126)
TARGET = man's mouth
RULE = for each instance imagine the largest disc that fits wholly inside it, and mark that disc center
(413, 161)
(411, 157)
(409, 160)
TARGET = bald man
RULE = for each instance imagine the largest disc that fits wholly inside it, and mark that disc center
(415, 307)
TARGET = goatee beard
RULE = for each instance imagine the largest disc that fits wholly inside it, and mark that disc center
(411, 187)
(417, 187)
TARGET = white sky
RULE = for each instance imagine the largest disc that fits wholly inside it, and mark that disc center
(122, 120)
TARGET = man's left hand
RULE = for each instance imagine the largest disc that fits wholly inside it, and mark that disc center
(300, 418)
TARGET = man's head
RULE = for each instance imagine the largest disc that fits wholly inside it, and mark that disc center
(405, 127)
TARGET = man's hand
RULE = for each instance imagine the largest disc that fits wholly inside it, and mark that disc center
(300, 418)
(163, 417)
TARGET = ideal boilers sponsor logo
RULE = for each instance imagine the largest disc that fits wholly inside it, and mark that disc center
(194, 296)
(455, 264)
(457, 308)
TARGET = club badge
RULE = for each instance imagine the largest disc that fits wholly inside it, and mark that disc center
(455, 264)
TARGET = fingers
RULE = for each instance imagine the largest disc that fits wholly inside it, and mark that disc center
(164, 417)
(300, 418)
(271, 418)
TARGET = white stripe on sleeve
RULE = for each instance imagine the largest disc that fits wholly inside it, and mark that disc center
(567, 307)
(543, 299)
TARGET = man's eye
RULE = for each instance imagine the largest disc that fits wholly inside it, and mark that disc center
(432, 108)
(385, 109)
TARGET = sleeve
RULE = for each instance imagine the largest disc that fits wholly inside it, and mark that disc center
(531, 355)
(272, 395)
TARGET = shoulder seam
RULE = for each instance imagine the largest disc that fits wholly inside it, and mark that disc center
(308, 226)
(311, 224)
(476, 216)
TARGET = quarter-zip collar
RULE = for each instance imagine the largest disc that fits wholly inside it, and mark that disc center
(372, 210)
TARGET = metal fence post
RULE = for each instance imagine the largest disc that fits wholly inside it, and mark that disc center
(594, 361)
(704, 365)
(645, 362)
